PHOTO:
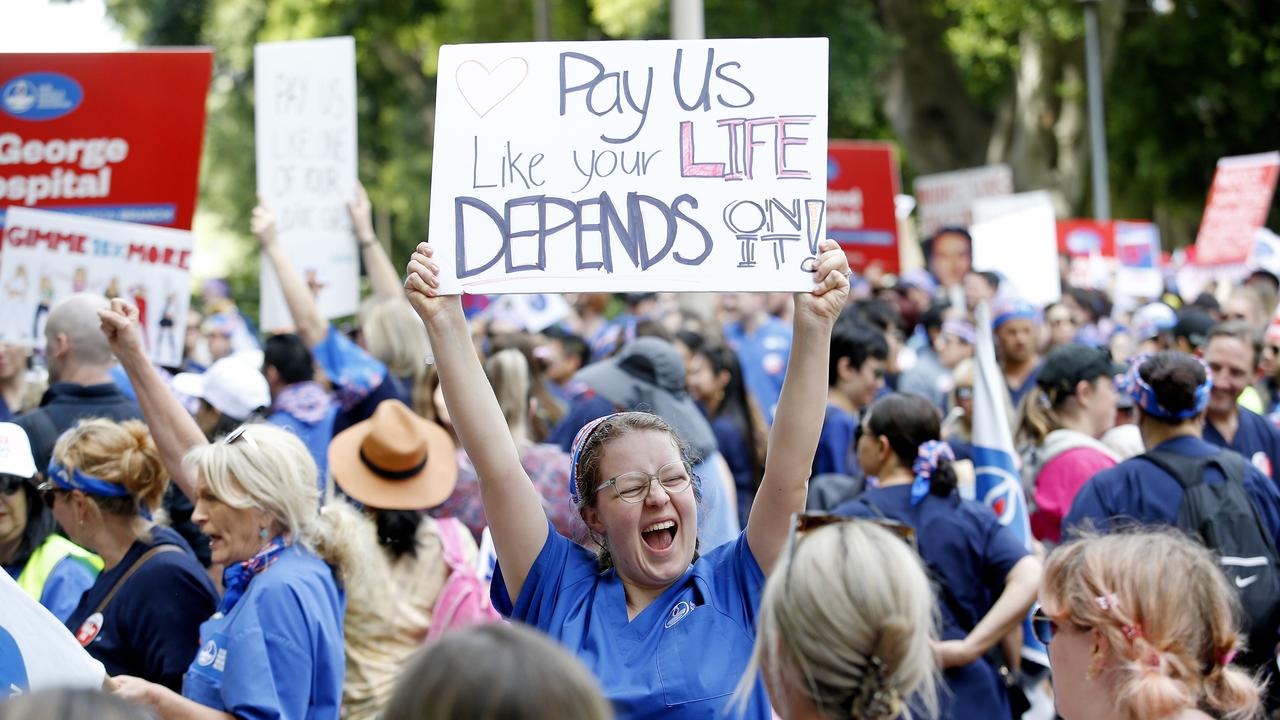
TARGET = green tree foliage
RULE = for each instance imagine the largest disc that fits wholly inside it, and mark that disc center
(955, 82)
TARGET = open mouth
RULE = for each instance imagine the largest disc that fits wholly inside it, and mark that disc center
(660, 535)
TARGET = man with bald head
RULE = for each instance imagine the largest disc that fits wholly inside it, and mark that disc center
(80, 384)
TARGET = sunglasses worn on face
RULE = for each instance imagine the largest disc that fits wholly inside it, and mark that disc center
(10, 484)
(964, 393)
(49, 491)
(1043, 626)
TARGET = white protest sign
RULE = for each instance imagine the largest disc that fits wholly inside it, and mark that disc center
(947, 199)
(49, 255)
(630, 166)
(305, 129)
(1022, 245)
(1139, 275)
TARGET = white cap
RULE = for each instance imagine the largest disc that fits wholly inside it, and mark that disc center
(232, 386)
(15, 452)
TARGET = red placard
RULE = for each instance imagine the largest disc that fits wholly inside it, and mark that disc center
(1239, 200)
(114, 135)
(862, 180)
(1082, 238)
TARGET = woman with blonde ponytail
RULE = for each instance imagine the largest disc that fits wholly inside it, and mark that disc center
(845, 627)
(274, 646)
(1143, 626)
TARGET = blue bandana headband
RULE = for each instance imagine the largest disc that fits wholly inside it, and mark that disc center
(1144, 396)
(87, 484)
(929, 457)
(1020, 310)
(579, 442)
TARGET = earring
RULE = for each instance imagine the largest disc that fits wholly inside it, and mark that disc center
(262, 533)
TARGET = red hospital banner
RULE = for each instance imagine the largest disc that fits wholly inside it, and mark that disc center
(862, 180)
(113, 135)
(1239, 200)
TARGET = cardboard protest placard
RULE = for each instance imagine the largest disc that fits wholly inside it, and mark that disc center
(1239, 200)
(947, 199)
(1083, 238)
(629, 166)
(305, 128)
(862, 182)
(112, 135)
(1021, 245)
(48, 256)
(1139, 275)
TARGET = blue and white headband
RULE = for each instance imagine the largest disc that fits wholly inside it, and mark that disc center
(1010, 310)
(87, 484)
(928, 458)
(1144, 396)
(579, 442)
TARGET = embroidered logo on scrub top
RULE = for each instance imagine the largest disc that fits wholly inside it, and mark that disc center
(211, 654)
(89, 629)
(678, 612)
(208, 652)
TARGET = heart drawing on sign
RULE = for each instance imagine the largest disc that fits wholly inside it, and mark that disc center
(484, 89)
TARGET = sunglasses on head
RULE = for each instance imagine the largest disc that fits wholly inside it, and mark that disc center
(806, 521)
(240, 432)
(10, 484)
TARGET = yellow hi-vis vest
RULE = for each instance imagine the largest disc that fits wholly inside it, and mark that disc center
(46, 557)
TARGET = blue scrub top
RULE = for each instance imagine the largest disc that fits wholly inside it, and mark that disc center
(1138, 490)
(836, 453)
(679, 659)
(763, 356)
(970, 554)
(315, 436)
(1256, 439)
(279, 652)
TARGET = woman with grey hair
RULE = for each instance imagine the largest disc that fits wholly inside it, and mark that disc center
(275, 643)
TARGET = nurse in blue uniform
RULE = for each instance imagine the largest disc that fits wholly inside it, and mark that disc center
(274, 646)
(984, 578)
(667, 626)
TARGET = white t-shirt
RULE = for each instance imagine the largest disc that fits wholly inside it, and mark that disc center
(36, 651)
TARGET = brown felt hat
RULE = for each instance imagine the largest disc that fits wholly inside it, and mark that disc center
(395, 460)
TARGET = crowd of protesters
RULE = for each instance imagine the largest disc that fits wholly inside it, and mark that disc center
(685, 506)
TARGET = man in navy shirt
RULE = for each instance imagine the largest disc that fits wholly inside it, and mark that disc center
(1232, 354)
(1171, 391)
(859, 353)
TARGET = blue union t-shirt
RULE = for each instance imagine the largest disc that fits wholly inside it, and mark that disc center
(679, 659)
(1256, 439)
(151, 626)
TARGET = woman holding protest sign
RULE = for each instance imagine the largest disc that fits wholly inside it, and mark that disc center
(274, 647)
(664, 627)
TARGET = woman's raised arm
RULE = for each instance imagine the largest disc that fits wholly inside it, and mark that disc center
(511, 503)
(172, 427)
(801, 408)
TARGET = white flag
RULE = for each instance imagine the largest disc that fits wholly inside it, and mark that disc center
(37, 652)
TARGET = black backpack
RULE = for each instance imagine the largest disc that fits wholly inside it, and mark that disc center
(1222, 516)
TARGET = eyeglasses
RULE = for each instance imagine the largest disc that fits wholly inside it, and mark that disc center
(634, 487)
(964, 392)
(10, 484)
(240, 432)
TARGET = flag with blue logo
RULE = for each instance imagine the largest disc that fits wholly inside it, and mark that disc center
(37, 651)
(997, 481)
